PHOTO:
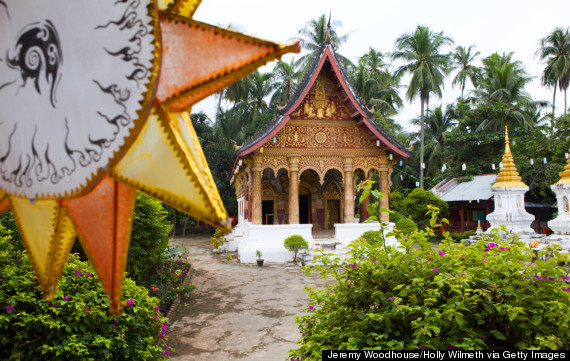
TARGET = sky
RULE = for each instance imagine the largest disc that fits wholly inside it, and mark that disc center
(492, 26)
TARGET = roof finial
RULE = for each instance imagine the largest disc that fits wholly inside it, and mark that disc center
(328, 36)
(508, 176)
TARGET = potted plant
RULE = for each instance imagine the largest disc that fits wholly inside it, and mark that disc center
(258, 254)
(294, 244)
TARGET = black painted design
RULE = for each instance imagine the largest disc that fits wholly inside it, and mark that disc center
(36, 58)
(38, 49)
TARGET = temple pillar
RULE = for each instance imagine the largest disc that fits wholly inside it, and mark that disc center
(384, 188)
(293, 190)
(256, 171)
(365, 202)
(348, 191)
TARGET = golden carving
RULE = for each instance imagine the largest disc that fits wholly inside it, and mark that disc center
(267, 191)
(321, 137)
(332, 191)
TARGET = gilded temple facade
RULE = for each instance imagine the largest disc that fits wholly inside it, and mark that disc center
(303, 169)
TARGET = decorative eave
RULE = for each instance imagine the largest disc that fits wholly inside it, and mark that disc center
(314, 69)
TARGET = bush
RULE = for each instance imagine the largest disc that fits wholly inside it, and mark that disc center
(372, 237)
(149, 237)
(76, 325)
(406, 226)
(485, 296)
(395, 216)
(415, 205)
(456, 237)
(294, 244)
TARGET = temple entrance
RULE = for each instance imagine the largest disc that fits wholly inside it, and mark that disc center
(304, 208)
(333, 212)
(267, 216)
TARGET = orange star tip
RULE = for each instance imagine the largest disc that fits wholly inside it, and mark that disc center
(218, 58)
(105, 234)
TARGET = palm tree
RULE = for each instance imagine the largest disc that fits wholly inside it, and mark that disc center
(501, 89)
(427, 66)
(462, 59)
(286, 76)
(437, 125)
(261, 86)
(555, 49)
(314, 35)
(374, 61)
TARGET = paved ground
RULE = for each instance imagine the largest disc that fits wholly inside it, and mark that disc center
(238, 312)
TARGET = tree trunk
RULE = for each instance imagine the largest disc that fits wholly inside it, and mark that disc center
(173, 231)
(553, 108)
(565, 106)
(422, 99)
(184, 227)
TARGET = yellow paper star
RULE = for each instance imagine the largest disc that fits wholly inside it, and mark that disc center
(86, 123)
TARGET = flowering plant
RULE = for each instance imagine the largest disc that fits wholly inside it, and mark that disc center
(76, 324)
(484, 296)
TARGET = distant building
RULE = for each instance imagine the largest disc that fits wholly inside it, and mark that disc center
(298, 175)
(471, 201)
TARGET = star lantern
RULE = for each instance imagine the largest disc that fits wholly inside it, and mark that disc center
(94, 106)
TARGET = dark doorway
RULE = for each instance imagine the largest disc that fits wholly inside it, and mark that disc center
(333, 210)
(267, 215)
(304, 205)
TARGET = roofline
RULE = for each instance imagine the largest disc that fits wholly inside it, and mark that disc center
(287, 114)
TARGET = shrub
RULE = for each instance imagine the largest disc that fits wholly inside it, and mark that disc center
(149, 237)
(485, 296)
(76, 325)
(415, 205)
(294, 244)
(10, 230)
(406, 226)
(459, 236)
(372, 237)
(218, 239)
(395, 216)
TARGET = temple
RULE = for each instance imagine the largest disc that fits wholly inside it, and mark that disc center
(298, 176)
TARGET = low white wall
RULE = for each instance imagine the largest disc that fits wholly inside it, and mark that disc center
(348, 232)
(269, 240)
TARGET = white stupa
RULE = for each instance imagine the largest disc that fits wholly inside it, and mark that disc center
(509, 193)
(561, 224)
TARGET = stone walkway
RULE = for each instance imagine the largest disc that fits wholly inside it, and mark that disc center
(238, 312)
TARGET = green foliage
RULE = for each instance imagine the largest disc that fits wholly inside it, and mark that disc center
(372, 237)
(218, 239)
(417, 202)
(395, 216)
(228, 257)
(406, 226)
(149, 236)
(294, 244)
(10, 230)
(258, 254)
(456, 237)
(485, 296)
(76, 324)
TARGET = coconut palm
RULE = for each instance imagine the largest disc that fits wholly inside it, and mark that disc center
(427, 67)
(438, 124)
(286, 77)
(463, 59)
(555, 50)
(314, 35)
(501, 88)
(260, 87)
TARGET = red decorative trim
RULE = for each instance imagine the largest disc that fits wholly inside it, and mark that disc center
(301, 97)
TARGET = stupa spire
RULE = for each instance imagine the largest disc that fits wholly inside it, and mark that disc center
(565, 174)
(508, 176)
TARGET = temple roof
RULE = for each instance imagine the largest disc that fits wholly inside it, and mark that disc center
(326, 53)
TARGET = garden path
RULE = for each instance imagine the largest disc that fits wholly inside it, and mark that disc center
(238, 312)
